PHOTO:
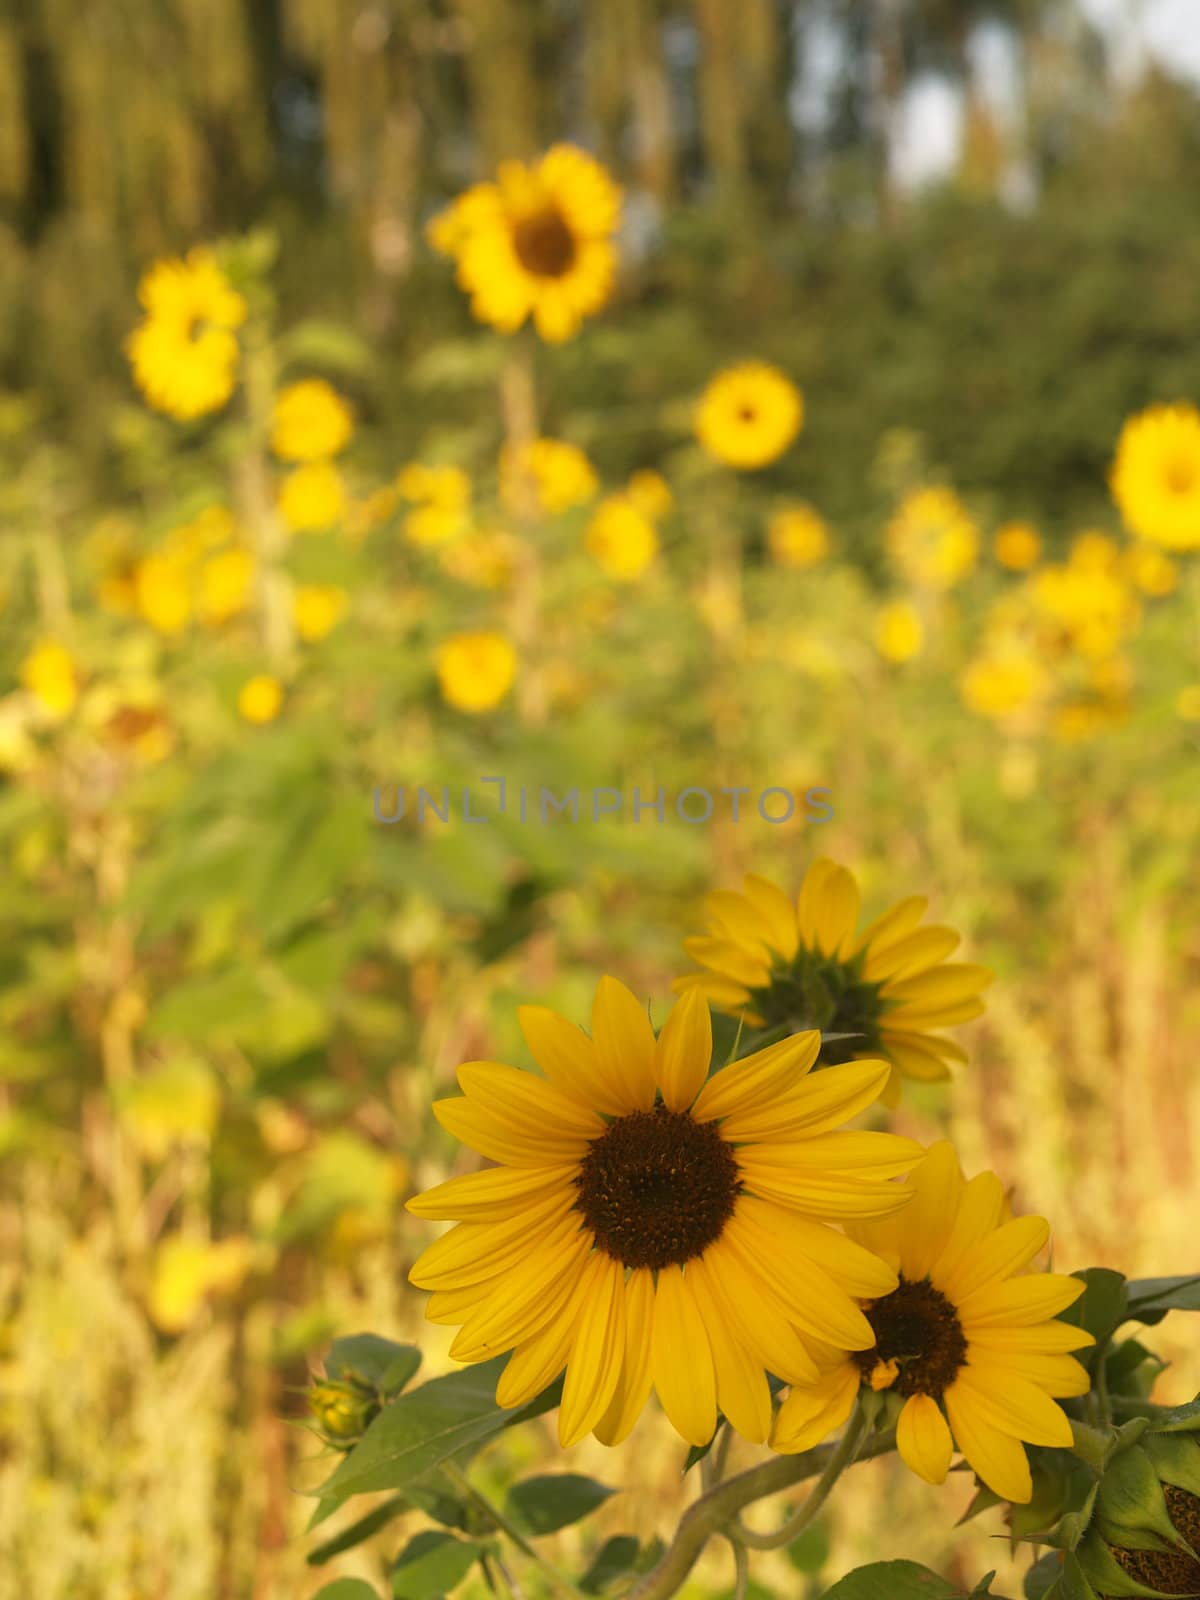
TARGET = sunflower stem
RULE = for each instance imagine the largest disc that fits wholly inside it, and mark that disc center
(845, 1452)
(493, 1512)
(712, 1510)
(741, 1569)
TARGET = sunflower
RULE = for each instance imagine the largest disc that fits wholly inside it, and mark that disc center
(748, 415)
(651, 1227)
(536, 243)
(621, 539)
(475, 670)
(552, 474)
(1155, 477)
(310, 421)
(932, 539)
(966, 1340)
(779, 964)
(184, 353)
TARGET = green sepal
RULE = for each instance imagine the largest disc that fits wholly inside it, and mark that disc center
(1180, 1419)
(1107, 1577)
(1176, 1459)
(1130, 1508)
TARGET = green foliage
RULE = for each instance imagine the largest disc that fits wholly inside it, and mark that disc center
(545, 1504)
(432, 1564)
(900, 1580)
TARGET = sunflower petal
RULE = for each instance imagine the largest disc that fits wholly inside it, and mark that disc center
(756, 1317)
(489, 1196)
(1059, 1376)
(827, 908)
(781, 1109)
(598, 1353)
(811, 1412)
(1017, 1302)
(742, 1391)
(997, 1458)
(624, 1043)
(728, 960)
(923, 1438)
(637, 1379)
(759, 1080)
(980, 1210)
(777, 912)
(568, 1058)
(526, 1103)
(808, 1295)
(1016, 1407)
(682, 1359)
(499, 1139)
(937, 1184)
(683, 1051)
(926, 947)
(895, 924)
(1004, 1252)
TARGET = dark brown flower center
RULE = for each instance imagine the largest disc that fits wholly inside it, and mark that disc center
(919, 1343)
(657, 1188)
(1170, 1571)
(544, 244)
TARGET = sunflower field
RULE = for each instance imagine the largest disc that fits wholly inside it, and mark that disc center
(599, 754)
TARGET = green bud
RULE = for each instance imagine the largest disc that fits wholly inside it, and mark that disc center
(344, 1410)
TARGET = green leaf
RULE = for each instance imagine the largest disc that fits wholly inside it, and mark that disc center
(431, 1564)
(347, 1589)
(545, 1504)
(1101, 1309)
(425, 1426)
(615, 1556)
(358, 1531)
(1151, 1298)
(316, 343)
(893, 1580)
(1042, 1574)
(810, 1551)
(382, 1363)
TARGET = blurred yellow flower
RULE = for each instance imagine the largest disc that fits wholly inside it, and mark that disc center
(318, 608)
(1017, 546)
(621, 539)
(184, 353)
(188, 1271)
(899, 631)
(748, 415)
(260, 698)
(1089, 603)
(1004, 681)
(1149, 570)
(1187, 703)
(1155, 475)
(475, 670)
(487, 558)
(551, 474)
(650, 492)
(163, 593)
(48, 672)
(127, 715)
(932, 539)
(312, 497)
(797, 536)
(537, 242)
(443, 501)
(226, 580)
(311, 421)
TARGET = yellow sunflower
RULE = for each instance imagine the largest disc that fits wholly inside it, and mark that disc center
(310, 421)
(966, 1340)
(475, 670)
(553, 474)
(784, 964)
(748, 415)
(1155, 477)
(536, 243)
(184, 352)
(932, 539)
(621, 539)
(651, 1227)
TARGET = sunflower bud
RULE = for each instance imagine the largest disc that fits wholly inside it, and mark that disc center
(1140, 1535)
(343, 1408)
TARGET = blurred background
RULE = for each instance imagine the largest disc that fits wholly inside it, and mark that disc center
(969, 233)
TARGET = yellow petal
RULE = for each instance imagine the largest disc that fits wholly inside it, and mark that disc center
(1059, 1376)
(1017, 1302)
(944, 985)
(683, 1051)
(1044, 1338)
(826, 1196)
(807, 1294)
(997, 1458)
(927, 947)
(720, 992)
(852, 1267)
(682, 1360)
(489, 1196)
(1016, 1407)
(812, 1412)
(594, 1365)
(756, 1317)
(1003, 1253)
(937, 1184)
(923, 1439)
(526, 1103)
(624, 1043)
(729, 960)
(500, 1140)
(568, 1058)
(915, 1057)
(472, 1252)
(914, 1016)
(882, 1155)
(895, 924)
(537, 1361)
(821, 1102)
(760, 1080)
(636, 1381)
(734, 917)
(777, 913)
(980, 1208)
(522, 1300)
(742, 1391)
(827, 909)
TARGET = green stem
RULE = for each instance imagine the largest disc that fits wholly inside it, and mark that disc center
(715, 1509)
(845, 1453)
(741, 1566)
(493, 1512)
